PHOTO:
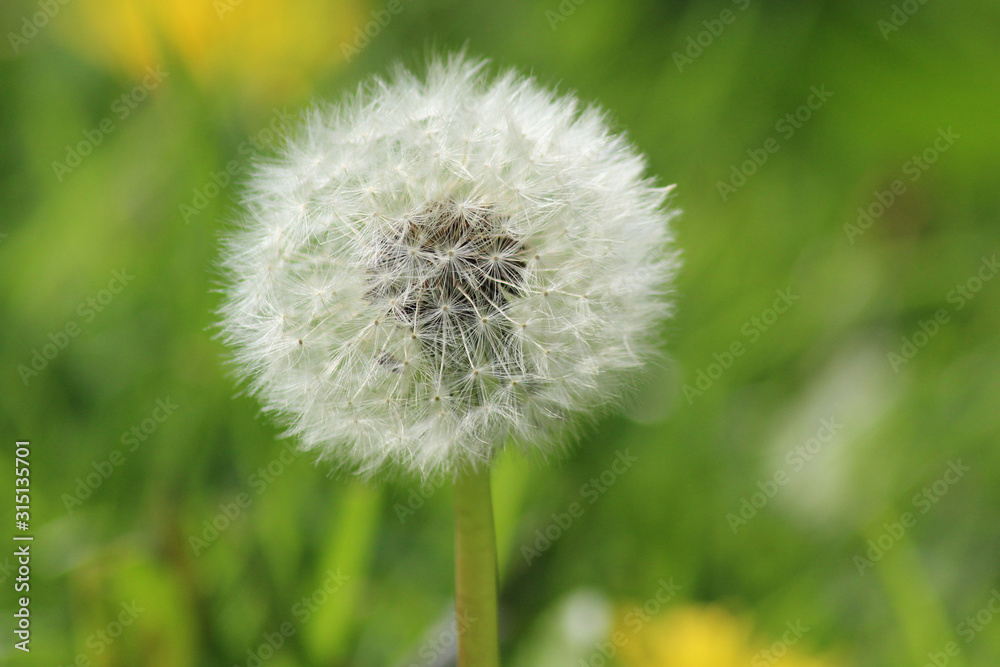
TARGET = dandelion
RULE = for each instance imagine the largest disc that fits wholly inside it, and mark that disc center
(436, 269)
(707, 636)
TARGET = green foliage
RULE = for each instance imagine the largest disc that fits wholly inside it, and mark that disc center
(223, 535)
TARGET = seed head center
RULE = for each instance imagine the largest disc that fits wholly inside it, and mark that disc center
(446, 273)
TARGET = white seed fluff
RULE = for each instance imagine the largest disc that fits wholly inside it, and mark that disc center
(434, 269)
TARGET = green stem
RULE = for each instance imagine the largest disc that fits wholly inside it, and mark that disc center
(475, 571)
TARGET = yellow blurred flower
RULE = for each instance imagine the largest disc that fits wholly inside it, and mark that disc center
(708, 636)
(253, 48)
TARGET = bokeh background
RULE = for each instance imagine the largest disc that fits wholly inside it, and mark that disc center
(815, 481)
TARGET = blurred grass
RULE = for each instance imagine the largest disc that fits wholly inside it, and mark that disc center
(664, 518)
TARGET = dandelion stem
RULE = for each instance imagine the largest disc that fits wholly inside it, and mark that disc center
(475, 571)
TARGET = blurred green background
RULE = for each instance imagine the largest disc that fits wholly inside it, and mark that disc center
(816, 478)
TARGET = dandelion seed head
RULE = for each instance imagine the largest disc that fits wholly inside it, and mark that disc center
(437, 268)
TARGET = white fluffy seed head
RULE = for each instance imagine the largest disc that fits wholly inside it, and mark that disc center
(434, 269)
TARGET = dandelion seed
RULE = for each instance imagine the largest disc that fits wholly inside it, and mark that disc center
(466, 262)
